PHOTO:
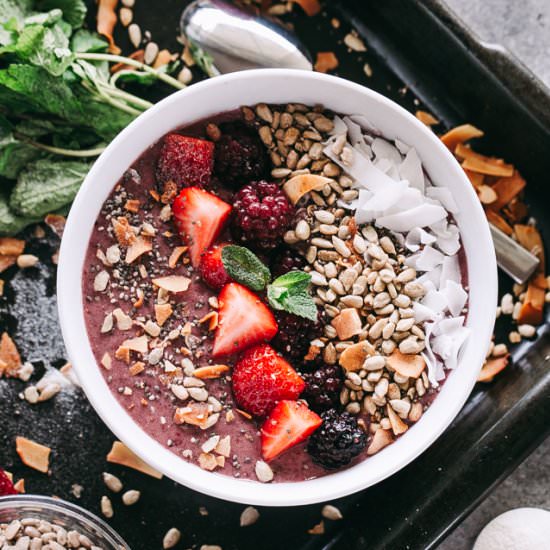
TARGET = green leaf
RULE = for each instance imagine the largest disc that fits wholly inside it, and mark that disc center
(84, 41)
(11, 223)
(204, 60)
(47, 18)
(245, 267)
(46, 185)
(290, 293)
(74, 11)
(46, 47)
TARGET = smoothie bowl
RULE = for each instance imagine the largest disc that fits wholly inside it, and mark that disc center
(277, 287)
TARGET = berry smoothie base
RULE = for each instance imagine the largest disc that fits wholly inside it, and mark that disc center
(153, 302)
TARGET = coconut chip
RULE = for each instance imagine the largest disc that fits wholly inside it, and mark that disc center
(382, 438)
(139, 247)
(296, 187)
(10, 360)
(353, 357)
(173, 283)
(32, 454)
(326, 61)
(120, 454)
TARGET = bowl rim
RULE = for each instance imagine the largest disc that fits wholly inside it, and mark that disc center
(334, 485)
(71, 509)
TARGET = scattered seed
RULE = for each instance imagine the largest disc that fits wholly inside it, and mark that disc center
(527, 331)
(185, 76)
(171, 538)
(126, 15)
(135, 35)
(151, 52)
(249, 516)
(26, 260)
(331, 512)
(353, 42)
(112, 482)
(263, 471)
(106, 507)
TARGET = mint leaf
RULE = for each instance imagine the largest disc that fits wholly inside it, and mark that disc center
(290, 293)
(245, 267)
(74, 11)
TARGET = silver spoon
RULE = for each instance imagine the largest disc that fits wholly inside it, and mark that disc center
(237, 38)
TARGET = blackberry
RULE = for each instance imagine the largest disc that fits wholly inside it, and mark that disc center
(240, 156)
(286, 260)
(294, 335)
(337, 442)
(323, 387)
(261, 214)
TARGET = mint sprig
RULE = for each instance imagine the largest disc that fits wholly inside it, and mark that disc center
(290, 293)
(244, 267)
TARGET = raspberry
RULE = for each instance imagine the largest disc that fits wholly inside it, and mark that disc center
(295, 334)
(337, 442)
(6, 486)
(240, 156)
(262, 214)
(285, 261)
(323, 387)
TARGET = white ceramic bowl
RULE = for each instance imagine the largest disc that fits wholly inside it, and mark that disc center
(278, 86)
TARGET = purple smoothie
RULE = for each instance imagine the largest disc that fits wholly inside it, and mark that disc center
(147, 396)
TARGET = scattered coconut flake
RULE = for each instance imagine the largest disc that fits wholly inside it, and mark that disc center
(411, 169)
(416, 237)
(456, 297)
(120, 454)
(419, 216)
(123, 321)
(296, 187)
(33, 454)
(138, 344)
(139, 247)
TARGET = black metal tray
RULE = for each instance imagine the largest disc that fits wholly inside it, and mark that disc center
(422, 57)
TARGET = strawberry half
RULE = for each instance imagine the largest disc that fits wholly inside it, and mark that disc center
(244, 320)
(199, 217)
(6, 485)
(211, 267)
(187, 161)
(289, 423)
(261, 378)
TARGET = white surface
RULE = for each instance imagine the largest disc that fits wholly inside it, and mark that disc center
(519, 529)
(277, 86)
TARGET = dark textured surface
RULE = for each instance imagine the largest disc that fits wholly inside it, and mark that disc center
(500, 424)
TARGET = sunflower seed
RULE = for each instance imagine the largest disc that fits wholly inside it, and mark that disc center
(131, 497)
(375, 362)
(527, 331)
(331, 512)
(322, 243)
(112, 482)
(279, 173)
(107, 507)
(410, 345)
(263, 472)
(101, 281)
(126, 15)
(340, 247)
(414, 289)
(387, 245)
(265, 135)
(249, 516)
(151, 52)
(171, 538)
(302, 230)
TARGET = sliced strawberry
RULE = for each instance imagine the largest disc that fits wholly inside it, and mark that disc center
(244, 320)
(6, 485)
(261, 378)
(199, 217)
(185, 160)
(211, 267)
(289, 423)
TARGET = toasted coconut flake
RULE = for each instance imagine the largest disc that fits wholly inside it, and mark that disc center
(318, 529)
(19, 486)
(194, 413)
(210, 371)
(531, 312)
(508, 189)
(6, 262)
(2, 283)
(11, 247)
(486, 194)
(397, 425)
(426, 118)
(123, 354)
(120, 454)
(173, 283)
(136, 368)
(132, 205)
(123, 232)
(162, 313)
(406, 364)
(483, 165)
(530, 238)
(347, 323)
(56, 223)
(460, 134)
(381, 439)
(138, 55)
(326, 61)
(212, 320)
(10, 360)
(311, 7)
(106, 361)
(32, 454)
(138, 344)
(497, 220)
(296, 187)
(224, 446)
(493, 367)
(475, 179)
(175, 256)
(208, 461)
(163, 58)
(123, 321)
(139, 247)
(106, 21)
(354, 356)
